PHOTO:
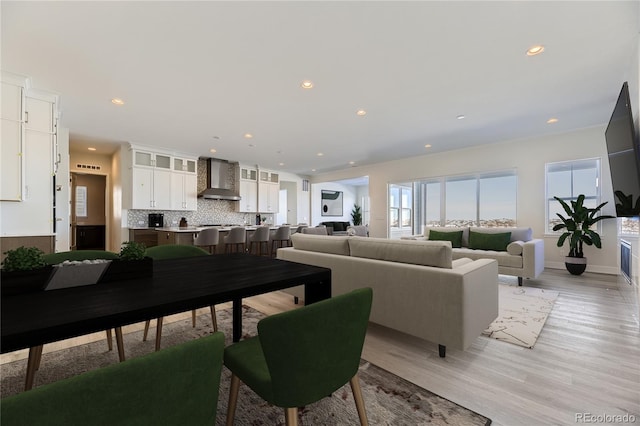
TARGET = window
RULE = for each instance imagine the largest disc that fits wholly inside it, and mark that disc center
(568, 179)
(486, 199)
(400, 210)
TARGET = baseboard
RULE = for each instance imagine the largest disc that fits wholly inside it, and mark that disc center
(597, 269)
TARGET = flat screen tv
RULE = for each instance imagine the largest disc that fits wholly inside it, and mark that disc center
(624, 157)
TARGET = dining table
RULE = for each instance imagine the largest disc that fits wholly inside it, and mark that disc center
(176, 285)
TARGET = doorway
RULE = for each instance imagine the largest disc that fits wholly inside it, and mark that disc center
(88, 211)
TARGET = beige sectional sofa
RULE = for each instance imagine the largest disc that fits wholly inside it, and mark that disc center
(523, 256)
(418, 288)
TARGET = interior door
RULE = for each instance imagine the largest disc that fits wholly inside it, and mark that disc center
(88, 219)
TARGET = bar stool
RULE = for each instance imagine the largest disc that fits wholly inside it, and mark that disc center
(237, 237)
(281, 238)
(261, 238)
(208, 238)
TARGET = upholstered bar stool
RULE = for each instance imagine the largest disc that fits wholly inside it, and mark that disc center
(208, 239)
(281, 238)
(237, 238)
(260, 238)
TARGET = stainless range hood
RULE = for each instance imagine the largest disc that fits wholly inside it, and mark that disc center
(218, 174)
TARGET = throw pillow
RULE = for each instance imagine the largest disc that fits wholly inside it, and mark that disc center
(483, 241)
(454, 236)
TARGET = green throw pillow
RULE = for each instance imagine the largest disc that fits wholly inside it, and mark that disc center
(454, 236)
(485, 241)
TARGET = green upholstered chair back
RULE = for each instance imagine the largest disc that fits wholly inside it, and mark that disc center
(56, 258)
(173, 251)
(313, 351)
(175, 386)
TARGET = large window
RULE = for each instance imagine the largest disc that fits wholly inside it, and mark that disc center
(568, 179)
(486, 199)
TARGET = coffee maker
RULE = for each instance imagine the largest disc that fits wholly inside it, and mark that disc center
(156, 220)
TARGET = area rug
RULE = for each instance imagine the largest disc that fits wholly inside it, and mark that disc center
(389, 399)
(522, 314)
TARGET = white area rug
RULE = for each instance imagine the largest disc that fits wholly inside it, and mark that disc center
(522, 314)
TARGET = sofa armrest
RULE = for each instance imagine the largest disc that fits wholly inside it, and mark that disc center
(533, 258)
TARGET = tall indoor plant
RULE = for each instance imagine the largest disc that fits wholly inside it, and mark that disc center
(356, 215)
(578, 230)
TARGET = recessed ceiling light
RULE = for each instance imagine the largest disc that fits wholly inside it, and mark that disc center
(306, 84)
(552, 120)
(428, 145)
(460, 117)
(361, 112)
(319, 154)
(117, 101)
(213, 150)
(91, 148)
(313, 170)
(280, 164)
(251, 145)
(352, 162)
(535, 50)
(248, 135)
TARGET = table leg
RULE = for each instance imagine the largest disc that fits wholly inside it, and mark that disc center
(315, 292)
(120, 344)
(237, 319)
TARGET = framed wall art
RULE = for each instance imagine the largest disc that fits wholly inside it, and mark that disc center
(331, 203)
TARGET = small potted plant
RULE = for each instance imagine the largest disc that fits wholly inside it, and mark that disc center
(578, 231)
(24, 270)
(131, 263)
(356, 215)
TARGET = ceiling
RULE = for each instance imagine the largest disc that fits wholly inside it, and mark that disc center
(196, 76)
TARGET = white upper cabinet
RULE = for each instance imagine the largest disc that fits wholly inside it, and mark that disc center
(161, 181)
(11, 129)
(248, 190)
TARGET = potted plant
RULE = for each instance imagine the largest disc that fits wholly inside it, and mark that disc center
(132, 263)
(24, 270)
(356, 215)
(578, 230)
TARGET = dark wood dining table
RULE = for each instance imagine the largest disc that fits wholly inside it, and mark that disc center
(177, 285)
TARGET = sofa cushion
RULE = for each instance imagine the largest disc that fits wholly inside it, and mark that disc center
(489, 241)
(504, 258)
(454, 236)
(464, 229)
(517, 234)
(515, 248)
(321, 243)
(427, 253)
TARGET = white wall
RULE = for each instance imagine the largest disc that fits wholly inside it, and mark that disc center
(527, 156)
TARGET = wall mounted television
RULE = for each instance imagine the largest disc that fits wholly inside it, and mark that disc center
(624, 157)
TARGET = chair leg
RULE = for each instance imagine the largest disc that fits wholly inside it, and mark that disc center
(214, 320)
(193, 318)
(35, 352)
(158, 333)
(291, 416)
(357, 396)
(146, 330)
(109, 339)
(233, 399)
(120, 343)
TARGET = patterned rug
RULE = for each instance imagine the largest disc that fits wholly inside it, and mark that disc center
(389, 399)
(522, 314)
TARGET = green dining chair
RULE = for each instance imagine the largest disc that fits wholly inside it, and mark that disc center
(177, 386)
(35, 353)
(174, 251)
(301, 356)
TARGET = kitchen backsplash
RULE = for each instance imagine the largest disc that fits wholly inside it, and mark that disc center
(209, 212)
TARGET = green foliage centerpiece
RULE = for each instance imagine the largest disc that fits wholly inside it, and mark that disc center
(131, 264)
(24, 270)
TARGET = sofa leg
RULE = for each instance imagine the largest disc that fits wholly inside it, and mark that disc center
(520, 281)
(442, 350)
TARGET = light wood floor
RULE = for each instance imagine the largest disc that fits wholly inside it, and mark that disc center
(586, 360)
